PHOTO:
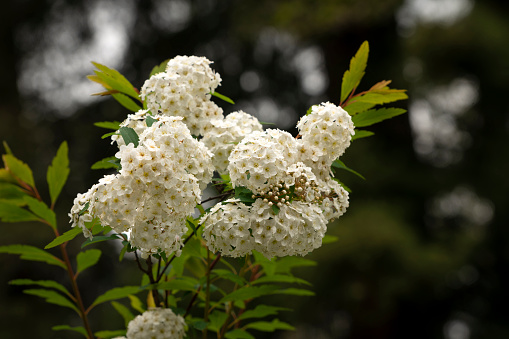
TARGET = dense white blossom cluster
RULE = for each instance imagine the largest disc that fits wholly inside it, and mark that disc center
(156, 323)
(284, 194)
(183, 89)
(159, 184)
(222, 135)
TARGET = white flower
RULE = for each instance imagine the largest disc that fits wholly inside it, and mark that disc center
(157, 323)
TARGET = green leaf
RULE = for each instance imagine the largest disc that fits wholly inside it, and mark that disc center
(383, 96)
(11, 194)
(11, 212)
(115, 80)
(216, 320)
(223, 97)
(238, 334)
(78, 329)
(341, 165)
(342, 185)
(249, 292)
(109, 162)
(353, 76)
(159, 68)
(116, 293)
(374, 116)
(198, 324)
(114, 125)
(285, 264)
(136, 303)
(87, 259)
(127, 102)
(244, 194)
(40, 209)
(52, 297)
(182, 284)
(296, 291)
(129, 135)
(270, 326)
(262, 311)
(100, 238)
(109, 334)
(150, 121)
(67, 236)
(226, 274)
(361, 134)
(329, 239)
(32, 253)
(58, 172)
(6, 177)
(42, 283)
(7, 148)
(280, 278)
(123, 311)
(19, 169)
(104, 136)
(275, 209)
(354, 107)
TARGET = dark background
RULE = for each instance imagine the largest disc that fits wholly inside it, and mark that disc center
(422, 250)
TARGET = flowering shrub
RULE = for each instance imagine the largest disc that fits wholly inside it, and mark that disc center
(274, 195)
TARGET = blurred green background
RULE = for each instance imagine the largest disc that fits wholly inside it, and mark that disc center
(423, 249)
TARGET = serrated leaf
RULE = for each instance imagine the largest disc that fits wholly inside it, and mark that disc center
(42, 283)
(266, 326)
(280, 278)
(129, 135)
(67, 236)
(87, 259)
(238, 334)
(100, 238)
(78, 329)
(223, 97)
(40, 209)
(353, 76)
(159, 68)
(114, 125)
(52, 297)
(361, 134)
(115, 80)
(341, 165)
(105, 163)
(374, 116)
(127, 102)
(12, 194)
(249, 292)
(356, 107)
(58, 172)
(116, 293)
(32, 253)
(19, 169)
(136, 303)
(11, 212)
(380, 85)
(262, 311)
(383, 96)
(123, 311)
(110, 334)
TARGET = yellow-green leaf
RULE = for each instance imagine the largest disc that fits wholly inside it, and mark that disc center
(87, 259)
(353, 76)
(58, 172)
(19, 169)
(374, 116)
(11, 212)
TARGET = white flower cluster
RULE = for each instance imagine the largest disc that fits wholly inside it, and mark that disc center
(184, 90)
(156, 323)
(222, 135)
(284, 192)
(292, 194)
(158, 186)
(326, 133)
